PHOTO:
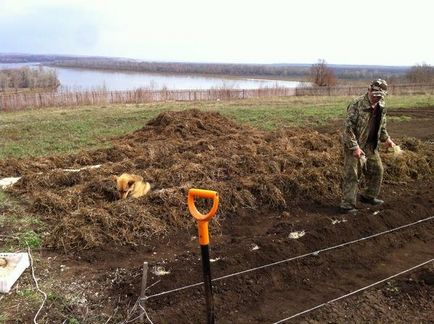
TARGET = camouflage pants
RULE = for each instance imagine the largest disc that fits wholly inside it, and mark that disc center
(353, 170)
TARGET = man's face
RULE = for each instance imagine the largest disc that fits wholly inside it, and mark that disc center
(373, 99)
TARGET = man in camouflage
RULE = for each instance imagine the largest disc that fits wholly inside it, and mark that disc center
(365, 127)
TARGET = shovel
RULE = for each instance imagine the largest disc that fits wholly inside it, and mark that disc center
(204, 241)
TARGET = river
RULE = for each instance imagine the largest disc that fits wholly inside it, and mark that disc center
(86, 79)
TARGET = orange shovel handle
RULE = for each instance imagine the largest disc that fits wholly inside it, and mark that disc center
(203, 219)
(192, 193)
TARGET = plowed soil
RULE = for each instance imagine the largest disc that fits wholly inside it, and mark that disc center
(279, 195)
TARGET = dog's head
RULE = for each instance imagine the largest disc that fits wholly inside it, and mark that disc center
(125, 183)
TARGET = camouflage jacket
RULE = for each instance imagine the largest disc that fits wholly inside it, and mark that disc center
(357, 124)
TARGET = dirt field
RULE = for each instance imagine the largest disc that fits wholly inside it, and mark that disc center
(272, 185)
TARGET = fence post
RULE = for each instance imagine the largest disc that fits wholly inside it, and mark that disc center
(142, 292)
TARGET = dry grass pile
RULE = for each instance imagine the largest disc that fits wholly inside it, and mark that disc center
(415, 162)
(180, 150)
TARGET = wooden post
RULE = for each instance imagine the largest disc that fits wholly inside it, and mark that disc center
(142, 292)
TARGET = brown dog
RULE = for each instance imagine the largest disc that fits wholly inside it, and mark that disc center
(131, 184)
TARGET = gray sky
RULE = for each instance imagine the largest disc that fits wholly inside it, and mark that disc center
(383, 32)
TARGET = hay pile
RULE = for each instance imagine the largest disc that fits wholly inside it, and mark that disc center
(180, 150)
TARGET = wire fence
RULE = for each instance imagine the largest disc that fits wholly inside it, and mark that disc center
(23, 100)
(29, 100)
(354, 292)
(397, 89)
(314, 253)
(306, 311)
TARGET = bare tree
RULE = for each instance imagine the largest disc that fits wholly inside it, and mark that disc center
(322, 75)
(4, 82)
(26, 77)
(421, 73)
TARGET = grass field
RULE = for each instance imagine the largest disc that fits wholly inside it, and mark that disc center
(67, 130)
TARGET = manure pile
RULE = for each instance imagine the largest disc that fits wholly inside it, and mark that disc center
(180, 150)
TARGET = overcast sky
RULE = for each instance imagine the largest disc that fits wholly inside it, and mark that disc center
(383, 32)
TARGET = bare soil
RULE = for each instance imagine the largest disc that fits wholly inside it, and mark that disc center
(271, 184)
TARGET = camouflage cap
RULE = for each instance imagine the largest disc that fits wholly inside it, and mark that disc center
(378, 88)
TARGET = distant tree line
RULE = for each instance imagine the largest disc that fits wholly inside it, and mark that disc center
(270, 70)
(322, 74)
(26, 77)
(185, 68)
(31, 58)
(421, 73)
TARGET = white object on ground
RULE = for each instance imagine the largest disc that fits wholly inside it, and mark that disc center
(363, 161)
(397, 150)
(296, 235)
(159, 271)
(83, 168)
(254, 247)
(337, 221)
(6, 182)
(13, 265)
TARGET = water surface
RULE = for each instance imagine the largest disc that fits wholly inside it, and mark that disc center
(85, 79)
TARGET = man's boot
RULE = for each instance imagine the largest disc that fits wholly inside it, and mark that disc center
(371, 201)
(348, 209)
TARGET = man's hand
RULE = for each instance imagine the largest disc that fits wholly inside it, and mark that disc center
(389, 143)
(357, 153)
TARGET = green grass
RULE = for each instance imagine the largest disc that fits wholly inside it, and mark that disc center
(399, 118)
(16, 215)
(67, 130)
(31, 239)
(29, 293)
(3, 197)
(19, 220)
(73, 321)
(19, 229)
(22, 241)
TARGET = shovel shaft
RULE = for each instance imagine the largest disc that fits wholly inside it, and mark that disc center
(207, 280)
(203, 233)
